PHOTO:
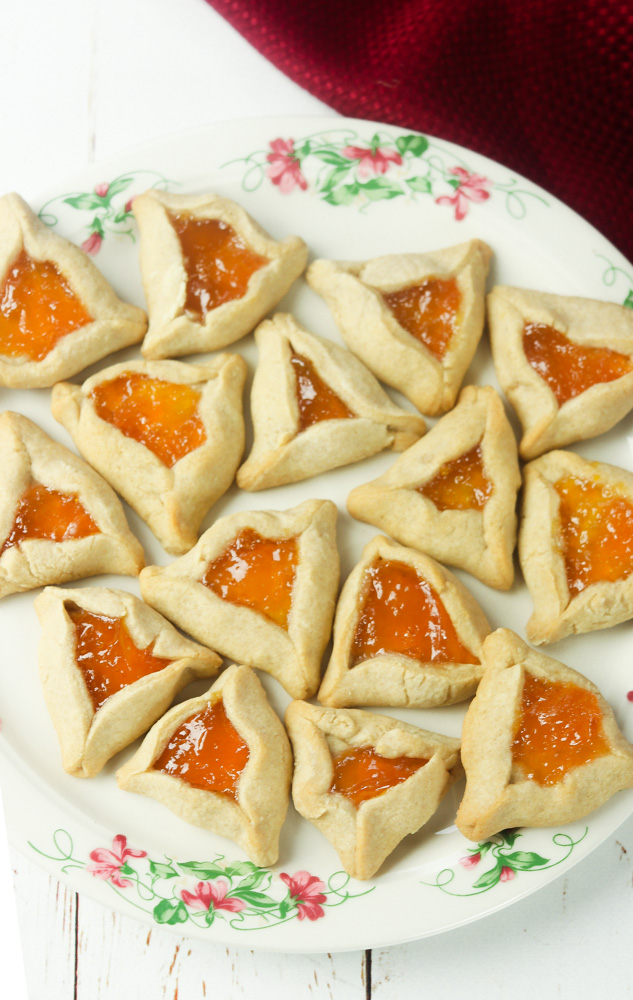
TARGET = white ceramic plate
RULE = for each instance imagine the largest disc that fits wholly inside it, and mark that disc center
(352, 190)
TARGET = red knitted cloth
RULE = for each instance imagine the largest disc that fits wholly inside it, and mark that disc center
(543, 86)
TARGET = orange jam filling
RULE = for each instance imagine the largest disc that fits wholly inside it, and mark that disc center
(402, 614)
(47, 513)
(207, 752)
(360, 773)
(161, 415)
(257, 573)
(37, 308)
(568, 368)
(428, 312)
(461, 484)
(559, 727)
(596, 532)
(315, 399)
(106, 655)
(218, 263)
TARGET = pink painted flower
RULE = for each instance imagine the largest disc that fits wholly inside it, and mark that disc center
(507, 874)
(629, 695)
(208, 895)
(307, 892)
(93, 244)
(472, 187)
(128, 204)
(285, 167)
(471, 861)
(108, 864)
(102, 190)
(372, 161)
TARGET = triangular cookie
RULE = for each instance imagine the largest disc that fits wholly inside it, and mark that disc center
(365, 780)
(315, 407)
(579, 381)
(414, 319)
(540, 745)
(576, 545)
(210, 272)
(221, 761)
(406, 633)
(167, 435)
(59, 314)
(59, 520)
(260, 587)
(110, 667)
(453, 494)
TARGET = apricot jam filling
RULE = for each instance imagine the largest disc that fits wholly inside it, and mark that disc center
(461, 484)
(596, 532)
(106, 654)
(360, 773)
(315, 399)
(428, 312)
(257, 573)
(402, 614)
(37, 308)
(218, 263)
(47, 513)
(568, 368)
(163, 416)
(559, 727)
(207, 752)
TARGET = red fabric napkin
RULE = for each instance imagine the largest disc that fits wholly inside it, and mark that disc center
(543, 86)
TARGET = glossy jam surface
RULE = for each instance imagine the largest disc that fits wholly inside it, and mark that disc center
(161, 415)
(559, 727)
(315, 399)
(107, 656)
(46, 513)
(218, 262)
(360, 773)
(428, 312)
(461, 484)
(257, 573)
(37, 308)
(568, 368)
(206, 752)
(596, 532)
(401, 613)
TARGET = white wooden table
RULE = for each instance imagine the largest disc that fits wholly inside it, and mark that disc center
(81, 79)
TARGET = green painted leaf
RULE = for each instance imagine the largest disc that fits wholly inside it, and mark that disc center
(253, 880)
(238, 868)
(201, 869)
(490, 878)
(85, 202)
(414, 144)
(126, 870)
(117, 186)
(284, 908)
(380, 188)
(170, 911)
(420, 184)
(524, 860)
(121, 215)
(304, 150)
(510, 836)
(162, 871)
(257, 899)
(335, 176)
(343, 195)
(629, 300)
(209, 917)
(454, 183)
(329, 156)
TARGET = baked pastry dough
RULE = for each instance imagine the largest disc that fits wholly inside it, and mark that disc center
(572, 778)
(585, 325)
(282, 622)
(94, 535)
(98, 324)
(395, 604)
(89, 736)
(173, 328)
(254, 817)
(576, 545)
(355, 292)
(171, 495)
(476, 529)
(315, 407)
(364, 836)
